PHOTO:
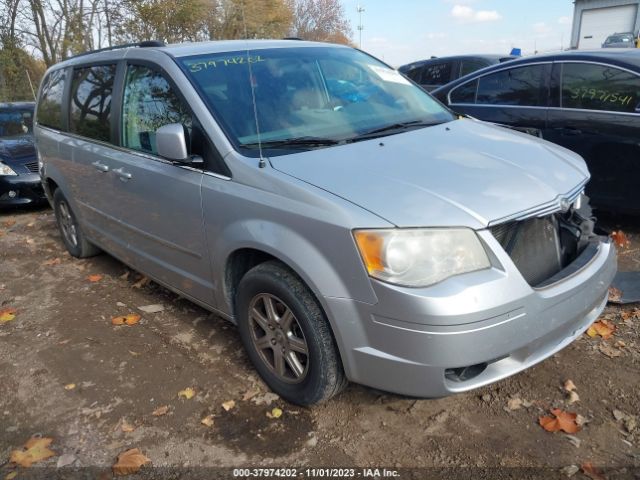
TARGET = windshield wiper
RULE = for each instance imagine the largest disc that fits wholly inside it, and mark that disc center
(402, 126)
(293, 142)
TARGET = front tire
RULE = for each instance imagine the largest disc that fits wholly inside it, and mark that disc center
(287, 336)
(72, 236)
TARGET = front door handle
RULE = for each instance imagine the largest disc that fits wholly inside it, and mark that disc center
(569, 131)
(124, 176)
(101, 166)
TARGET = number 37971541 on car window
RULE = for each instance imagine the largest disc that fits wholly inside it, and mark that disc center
(349, 224)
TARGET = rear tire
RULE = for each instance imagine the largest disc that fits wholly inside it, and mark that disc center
(287, 336)
(72, 236)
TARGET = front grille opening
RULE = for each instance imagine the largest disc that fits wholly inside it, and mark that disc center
(32, 167)
(462, 374)
(542, 247)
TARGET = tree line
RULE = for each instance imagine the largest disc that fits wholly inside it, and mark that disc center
(35, 34)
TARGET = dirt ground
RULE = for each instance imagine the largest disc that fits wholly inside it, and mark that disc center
(67, 373)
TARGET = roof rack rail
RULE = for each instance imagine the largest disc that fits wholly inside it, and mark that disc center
(143, 44)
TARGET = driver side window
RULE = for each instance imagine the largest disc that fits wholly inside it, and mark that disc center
(149, 103)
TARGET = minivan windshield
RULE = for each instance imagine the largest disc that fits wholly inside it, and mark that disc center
(308, 97)
(619, 39)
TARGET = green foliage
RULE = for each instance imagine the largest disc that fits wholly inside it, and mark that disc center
(16, 66)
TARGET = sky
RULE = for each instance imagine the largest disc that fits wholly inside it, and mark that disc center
(401, 31)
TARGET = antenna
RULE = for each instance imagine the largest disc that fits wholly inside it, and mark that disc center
(33, 92)
(360, 10)
(262, 163)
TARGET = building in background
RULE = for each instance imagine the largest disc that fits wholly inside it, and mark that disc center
(595, 20)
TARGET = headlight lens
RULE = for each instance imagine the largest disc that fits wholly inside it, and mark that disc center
(5, 170)
(420, 257)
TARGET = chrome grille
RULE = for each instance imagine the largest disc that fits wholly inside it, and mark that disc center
(32, 167)
(533, 245)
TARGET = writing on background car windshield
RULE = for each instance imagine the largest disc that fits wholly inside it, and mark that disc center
(388, 75)
(215, 63)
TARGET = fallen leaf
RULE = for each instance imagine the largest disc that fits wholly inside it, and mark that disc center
(52, 261)
(628, 315)
(127, 427)
(163, 410)
(130, 319)
(135, 354)
(563, 421)
(615, 295)
(129, 462)
(275, 413)
(94, 278)
(35, 450)
(187, 393)
(514, 404)
(580, 420)
(620, 239)
(570, 470)
(575, 441)
(208, 421)
(151, 308)
(141, 283)
(608, 350)
(125, 275)
(604, 328)
(70, 386)
(249, 394)
(7, 314)
(30, 241)
(573, 397)
(9, 223)
(592, 472)
(10, 475)
(228, 405)
(65, 460)
(569, 386)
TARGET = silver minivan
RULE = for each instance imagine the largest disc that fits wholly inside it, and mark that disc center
(352, 227)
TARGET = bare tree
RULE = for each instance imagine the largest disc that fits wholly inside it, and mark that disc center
(321, 20)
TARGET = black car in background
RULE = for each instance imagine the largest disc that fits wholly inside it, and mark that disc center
(435, 72)
(588, 102)
(19, 176)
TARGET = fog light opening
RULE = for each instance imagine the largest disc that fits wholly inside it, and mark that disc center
(462, 374)
(12, 194)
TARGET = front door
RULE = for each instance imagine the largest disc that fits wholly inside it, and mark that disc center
(156, 201)
(599, 118)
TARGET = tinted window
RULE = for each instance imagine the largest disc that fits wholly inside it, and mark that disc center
(50, 104)
(149, 103)
(517, 86)
(437, 74)
(90, 109)
(470, 66)
(465, 93)
(414, 74)
(598, 87)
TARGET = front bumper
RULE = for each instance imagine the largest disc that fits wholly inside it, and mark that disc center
(23, 189)
(491, 323)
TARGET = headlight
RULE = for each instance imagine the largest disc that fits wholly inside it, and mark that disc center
(420, 257)
(5, 170)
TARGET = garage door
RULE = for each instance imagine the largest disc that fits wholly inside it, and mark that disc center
(597, 24)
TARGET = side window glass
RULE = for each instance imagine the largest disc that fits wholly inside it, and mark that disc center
(414, 74)
(90, 106)
(465, 93)
(598, 87)
(517, 86)
(50, 103)
(470, 66)
(149, 103)
(436, 74)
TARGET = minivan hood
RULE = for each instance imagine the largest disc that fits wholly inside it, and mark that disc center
(462, 173)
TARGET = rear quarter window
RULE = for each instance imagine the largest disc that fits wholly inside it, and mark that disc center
(50, 102)
(600, 87)
(90, 102)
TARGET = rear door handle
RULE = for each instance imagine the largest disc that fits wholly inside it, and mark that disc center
(124, 176)
(569, 131)
(101, 166)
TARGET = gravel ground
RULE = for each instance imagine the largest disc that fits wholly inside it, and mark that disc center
(68, 374)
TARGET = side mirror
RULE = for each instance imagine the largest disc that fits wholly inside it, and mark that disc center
(172, 144)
